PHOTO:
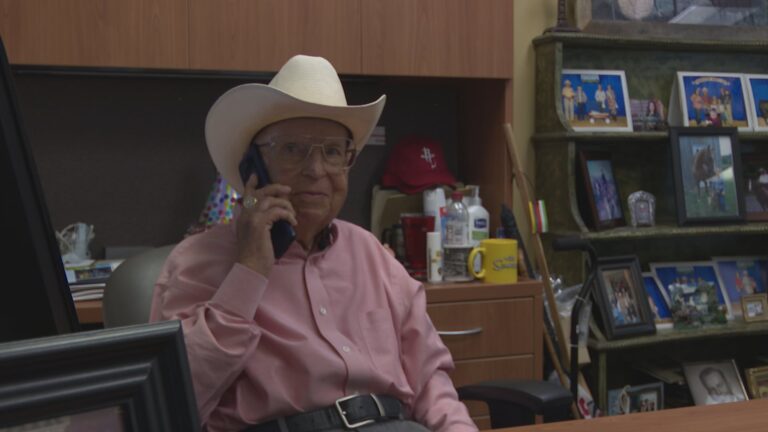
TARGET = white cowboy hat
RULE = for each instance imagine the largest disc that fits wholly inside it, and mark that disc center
(304, 87)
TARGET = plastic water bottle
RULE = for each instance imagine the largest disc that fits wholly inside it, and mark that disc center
(456, 223)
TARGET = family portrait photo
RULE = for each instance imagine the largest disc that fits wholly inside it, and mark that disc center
(714, 383)
(741, 276)
(713, 100)
(706, 168)
(758, 98)
(694, 293)
(622, 299)
(595, 100)
(632, 399)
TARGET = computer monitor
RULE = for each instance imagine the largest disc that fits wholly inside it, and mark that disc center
(35, 299)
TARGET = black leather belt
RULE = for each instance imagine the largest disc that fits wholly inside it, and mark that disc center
(348, 412)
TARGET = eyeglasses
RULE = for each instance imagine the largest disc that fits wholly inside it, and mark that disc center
(293, 150)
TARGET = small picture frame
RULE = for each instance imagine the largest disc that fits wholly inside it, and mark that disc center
(713, 383)
(642, 209)
(694, 292)
(714, 99)
(658, 301)
(706, 164)
(741, 276)
(632, 399)
(755, 307)
(595, 100)
(757, 90)
(602, 190)
(648, 115)
(757, 381)
(621, 298)
(754, 181)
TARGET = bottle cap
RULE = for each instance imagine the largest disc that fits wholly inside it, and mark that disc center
(456, 196)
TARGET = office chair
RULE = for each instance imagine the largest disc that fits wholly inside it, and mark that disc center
(128, 298)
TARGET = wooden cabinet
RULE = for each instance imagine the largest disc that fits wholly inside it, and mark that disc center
(136, 33)
(493, 332)
(260, 35)
(466, 38)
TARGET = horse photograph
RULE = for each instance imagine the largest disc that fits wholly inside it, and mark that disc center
(706, 169)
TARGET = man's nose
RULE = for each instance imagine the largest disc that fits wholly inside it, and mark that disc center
(315, 165)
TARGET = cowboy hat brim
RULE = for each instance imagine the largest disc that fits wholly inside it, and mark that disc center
(243, 111)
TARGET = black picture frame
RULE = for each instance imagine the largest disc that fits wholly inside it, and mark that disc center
(699, 156)
(137, 375)
(621, 298)
(602, 190)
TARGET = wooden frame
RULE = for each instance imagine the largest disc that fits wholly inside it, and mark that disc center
(757, 380)
(706, 163)
(621, 298)
(714, 382)
(755, 307)
(133, 378)
(602, 190)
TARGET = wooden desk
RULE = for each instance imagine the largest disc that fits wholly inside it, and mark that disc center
(750, 416)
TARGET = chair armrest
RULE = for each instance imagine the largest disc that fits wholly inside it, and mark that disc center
(521, 399)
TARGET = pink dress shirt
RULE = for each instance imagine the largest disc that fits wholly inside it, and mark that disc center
(347, 319)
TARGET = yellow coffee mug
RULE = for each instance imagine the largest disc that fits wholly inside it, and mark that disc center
(499, 261)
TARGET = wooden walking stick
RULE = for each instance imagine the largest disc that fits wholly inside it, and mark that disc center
(518, 175)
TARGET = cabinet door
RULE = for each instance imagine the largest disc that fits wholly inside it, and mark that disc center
(469, 38)
(135, 33)
(260, 35)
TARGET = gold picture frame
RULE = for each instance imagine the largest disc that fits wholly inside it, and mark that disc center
(755, 307)
(757, 381)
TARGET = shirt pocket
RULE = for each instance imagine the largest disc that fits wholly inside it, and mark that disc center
(381, 341)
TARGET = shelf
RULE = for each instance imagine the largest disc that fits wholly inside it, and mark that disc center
(732, 329)
(629, 233)
(651, 43)
(623, 137)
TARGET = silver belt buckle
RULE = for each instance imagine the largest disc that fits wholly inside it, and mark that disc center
(343, 414)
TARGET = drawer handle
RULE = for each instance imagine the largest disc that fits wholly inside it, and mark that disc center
(472, 331)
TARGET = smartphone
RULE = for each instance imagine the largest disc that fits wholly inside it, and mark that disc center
(282, 232)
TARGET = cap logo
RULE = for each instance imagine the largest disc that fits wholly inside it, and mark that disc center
(428, 156)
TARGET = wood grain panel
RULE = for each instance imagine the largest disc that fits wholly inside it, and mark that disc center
(468, 38)
(260, 35)
(474, 371)
(507, 327)
(135, 33)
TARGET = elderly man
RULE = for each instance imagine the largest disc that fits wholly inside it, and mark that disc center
(334, 332)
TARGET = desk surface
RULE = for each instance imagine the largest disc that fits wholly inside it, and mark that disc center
(750, 416)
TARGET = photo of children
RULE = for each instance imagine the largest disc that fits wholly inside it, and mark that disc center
(595, 99)
(624, 308)
(713, 100)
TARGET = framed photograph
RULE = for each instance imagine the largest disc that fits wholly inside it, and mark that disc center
(621, 298)
(642, 209)
(648, 114)
(714, 99)
(706, 168)
(694, 293)
(755, 307)
(595, 100)
(754, 181)
(757, 90)
(741, 276)
(632, 399)
(602, 190)
(757, 380)
(658, 301)
(713, 383)
(125, 379)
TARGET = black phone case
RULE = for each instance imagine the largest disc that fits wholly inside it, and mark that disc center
(282, 232)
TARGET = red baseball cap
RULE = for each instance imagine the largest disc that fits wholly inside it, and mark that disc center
(416, 164)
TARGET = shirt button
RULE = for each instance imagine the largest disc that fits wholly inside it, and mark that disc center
(323, 310)
(345, 349)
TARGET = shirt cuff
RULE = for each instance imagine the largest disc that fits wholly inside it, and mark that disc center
(241, 291)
